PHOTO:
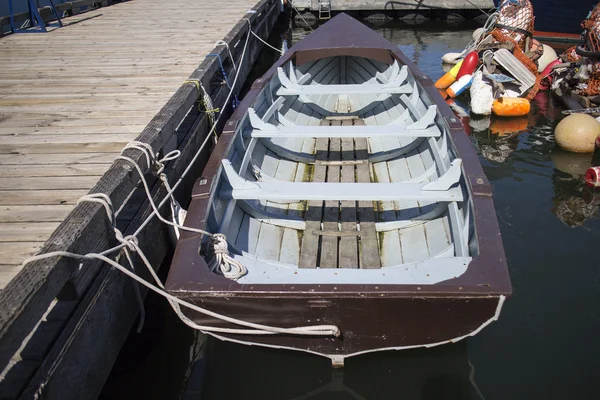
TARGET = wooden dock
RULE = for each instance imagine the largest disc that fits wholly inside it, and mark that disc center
(70, 100)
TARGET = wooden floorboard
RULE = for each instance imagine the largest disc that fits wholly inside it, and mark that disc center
(369, 246)
(71, 99)
(310, 242)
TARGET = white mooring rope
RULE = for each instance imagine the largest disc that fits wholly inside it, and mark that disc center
(221, 260)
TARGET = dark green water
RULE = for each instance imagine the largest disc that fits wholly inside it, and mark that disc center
(545, 345)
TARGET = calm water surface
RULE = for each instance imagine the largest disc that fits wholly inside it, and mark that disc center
(545, 345)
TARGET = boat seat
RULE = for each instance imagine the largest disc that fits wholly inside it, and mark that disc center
(424, 127)
(396, 85)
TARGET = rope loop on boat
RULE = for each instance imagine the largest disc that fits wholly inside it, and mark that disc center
(229, 267)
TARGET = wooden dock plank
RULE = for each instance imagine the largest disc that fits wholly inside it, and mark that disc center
(41, 197)
(37, 284)
(26, 231)
(71, 99)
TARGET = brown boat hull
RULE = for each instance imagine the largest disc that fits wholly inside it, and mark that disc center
(367, 323)
(371, 317)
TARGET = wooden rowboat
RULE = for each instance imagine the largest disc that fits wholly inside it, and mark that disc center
(352, 197)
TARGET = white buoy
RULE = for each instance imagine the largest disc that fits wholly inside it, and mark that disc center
(451, 58)
(546, 58)
(481, 95)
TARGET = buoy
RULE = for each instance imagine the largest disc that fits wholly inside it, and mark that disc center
(469, 65)
(506, 126)
(482, 96)
(592, 177)
(577, 133)
(458, 87)
(478, 32)
(547, 57)
(511, 107)
(546, 80)
(451, 58)
(449, 77)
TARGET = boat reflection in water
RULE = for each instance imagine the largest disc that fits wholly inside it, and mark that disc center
(243, 372)
(573, 201)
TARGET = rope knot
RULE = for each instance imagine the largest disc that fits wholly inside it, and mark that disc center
(130, 241)
(222, 261)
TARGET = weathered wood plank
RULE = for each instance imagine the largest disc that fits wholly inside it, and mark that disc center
(369, 248)
(41, 183)
(46, 213)
(310, 242)
(26, 231)
(329, 244)
(53, 170)
(15, 252)
(40, 197)
(39, 282)
(348, 245)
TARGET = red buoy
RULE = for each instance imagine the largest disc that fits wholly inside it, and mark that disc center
(469, 65)
(592, 177)
(546, 81)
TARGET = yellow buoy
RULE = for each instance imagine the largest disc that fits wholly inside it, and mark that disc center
(449, 77)
(577, 133)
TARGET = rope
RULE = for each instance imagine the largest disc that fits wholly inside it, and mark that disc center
(235, 101)
(207, 103)
(298, 12)
(230, 267)
(474, 43)
(130, 243)
(127, 243)
(518, 53)
(280, 51)
(224, 43)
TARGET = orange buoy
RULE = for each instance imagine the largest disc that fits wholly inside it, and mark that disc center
(468, 65)
(511, 107)
(506, 126)
(449, 77)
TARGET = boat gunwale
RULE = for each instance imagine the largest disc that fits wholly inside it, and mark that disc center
(487, 273)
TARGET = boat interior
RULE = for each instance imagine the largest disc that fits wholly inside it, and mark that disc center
(342, 171)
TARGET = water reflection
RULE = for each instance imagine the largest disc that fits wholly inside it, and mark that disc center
(574, 202)
(428, 374)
